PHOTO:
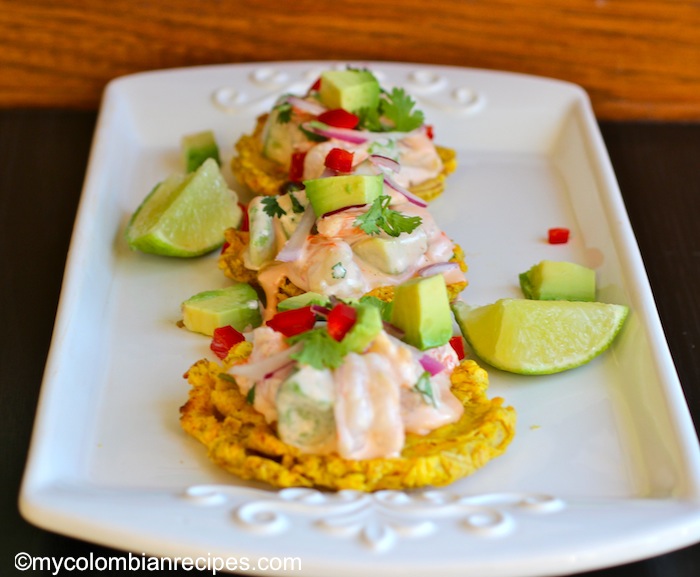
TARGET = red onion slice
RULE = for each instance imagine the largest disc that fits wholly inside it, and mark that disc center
(344, 134)
(343, 209)
(380, 160)
(433, 366)
(286, 365)
(412, 198)
(309, 106)
(292, 249)
(320, 311)
(438, 268)
(266, 367)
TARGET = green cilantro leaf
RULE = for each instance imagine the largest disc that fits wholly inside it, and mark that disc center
(370, 221)
(250, 397)
(382, 218)
(297, 207)
(284, 112)
(319, 350)
(395, 223)
(425, 387)
(383, 306)
(369, 119)
(272, 207)
(312, 136)
(398, 106)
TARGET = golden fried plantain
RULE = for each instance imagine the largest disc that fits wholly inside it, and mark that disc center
(239, 439)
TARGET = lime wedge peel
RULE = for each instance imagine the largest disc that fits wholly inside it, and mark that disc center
(539, 337)
(185, 215)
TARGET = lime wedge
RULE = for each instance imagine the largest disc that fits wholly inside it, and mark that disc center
(539, 337)
(185, 215)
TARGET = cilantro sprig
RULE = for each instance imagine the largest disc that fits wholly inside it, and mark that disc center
(297, 207)
(380, 217)
(319, 349)
(398, 107)
(272, 208)
(396, 111)
(284, 112)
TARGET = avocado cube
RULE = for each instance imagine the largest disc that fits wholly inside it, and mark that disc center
(558, 280)
(366, 328)
(197, 147)
(421, 309)
(236, 305)
(303, 300)
(336, 192)
(351, 90)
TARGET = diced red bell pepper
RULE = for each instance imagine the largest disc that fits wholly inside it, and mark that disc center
(245, 226)
(296, 169)
(429, 131)
(458, 345)
(558, 235)
(316, 86)
(340, 320)
(339, 160)
(223, 339)
(340, 118)
(293, 322)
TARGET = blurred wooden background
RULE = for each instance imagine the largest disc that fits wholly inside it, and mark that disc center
(638, 59)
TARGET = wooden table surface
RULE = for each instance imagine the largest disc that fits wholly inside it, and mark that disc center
(637, 59)
(43, 155)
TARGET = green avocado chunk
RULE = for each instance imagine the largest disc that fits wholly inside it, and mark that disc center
(558, 280)
(421, 309)
(197, 147)
(236, 305)
(351, 90)
(367, 326)
(383, 306)
(303, 300)
(336, 192)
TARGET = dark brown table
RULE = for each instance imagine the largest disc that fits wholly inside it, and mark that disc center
(43, 155)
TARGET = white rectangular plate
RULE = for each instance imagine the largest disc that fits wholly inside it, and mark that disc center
(604, 468)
